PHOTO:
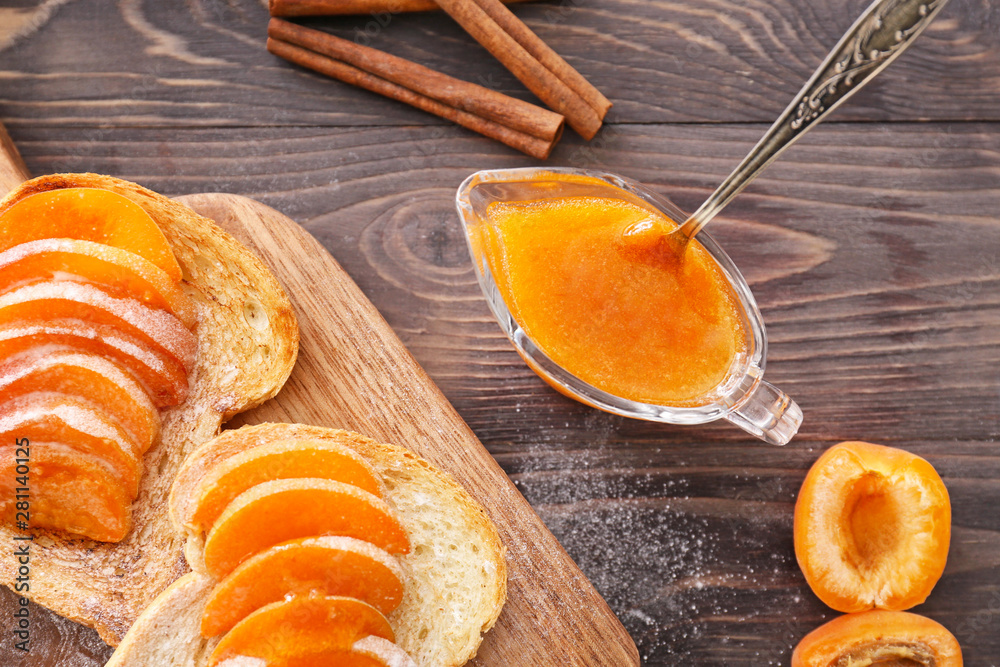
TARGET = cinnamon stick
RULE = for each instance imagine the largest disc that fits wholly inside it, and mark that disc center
(520, 125)
(547, 85)
(331, 7)
(541, 51)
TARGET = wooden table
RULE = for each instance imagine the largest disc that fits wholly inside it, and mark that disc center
(873, 248)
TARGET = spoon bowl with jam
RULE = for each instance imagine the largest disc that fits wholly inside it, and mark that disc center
(577, 267)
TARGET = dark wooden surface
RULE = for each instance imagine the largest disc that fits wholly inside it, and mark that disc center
(873, 249)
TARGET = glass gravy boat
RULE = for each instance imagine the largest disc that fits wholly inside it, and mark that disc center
(742, 398)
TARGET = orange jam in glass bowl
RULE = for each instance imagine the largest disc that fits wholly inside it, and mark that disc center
(594, 283)
(578, 270)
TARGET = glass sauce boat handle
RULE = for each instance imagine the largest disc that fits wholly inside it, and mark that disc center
(877, 38)
(768, 413)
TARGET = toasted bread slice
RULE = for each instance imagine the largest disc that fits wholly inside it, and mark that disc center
(455, 573)
(245, 321)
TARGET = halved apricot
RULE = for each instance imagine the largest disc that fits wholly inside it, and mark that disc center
(67, 491)
(301, 626)
(88, 214)
(872, 527)
(58, 299)
(116, 271)
(879, 637)
(85, 375)
(329, 565)
(284, 459)
(287, 509)
(163, 378)
(79, 426)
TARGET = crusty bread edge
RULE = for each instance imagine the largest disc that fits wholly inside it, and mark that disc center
(178, 222)
(182, 604)
(169, 628)
(210, 402)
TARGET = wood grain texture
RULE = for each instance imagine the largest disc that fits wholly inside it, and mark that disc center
(352, 372)
(13, 171)
(330, 7)
(142, 63)
(872, 248)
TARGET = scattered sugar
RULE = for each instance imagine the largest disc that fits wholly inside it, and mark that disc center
(228, 374)
(38, 360)
(38, 406)
(70, 329)
(686, 568)
(160, 327)
(130, 260)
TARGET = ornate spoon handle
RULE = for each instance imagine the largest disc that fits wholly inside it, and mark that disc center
(879, 35)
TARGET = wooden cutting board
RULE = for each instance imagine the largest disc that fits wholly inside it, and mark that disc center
(353, 372)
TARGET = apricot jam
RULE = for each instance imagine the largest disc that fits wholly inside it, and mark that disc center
(595, 283)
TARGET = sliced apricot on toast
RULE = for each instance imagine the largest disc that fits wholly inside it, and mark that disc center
(118, 272)
(68, 491)
(78, 425)
(85, 375)
(283, 459)
(371, 651)
(335, 658)
(301, 626)
(340, 566)
(287, 509)
(163, 377)
(58, 299)
(879, 637)
(88, 214)
(872, 527)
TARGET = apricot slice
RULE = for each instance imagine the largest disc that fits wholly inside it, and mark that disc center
(301, 626)
(872, 527)
(284, 459)
(116, 271)
(337, 657)
(88, 376)
(88, 214)
(329, 565)
(67, 491)
(370, 651)
(287, 509)
(879, 638)
(334, 657)
(59, 299)
(79, 426)
(163, 377)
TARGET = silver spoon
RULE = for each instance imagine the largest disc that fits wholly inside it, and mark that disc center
(877, 38)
